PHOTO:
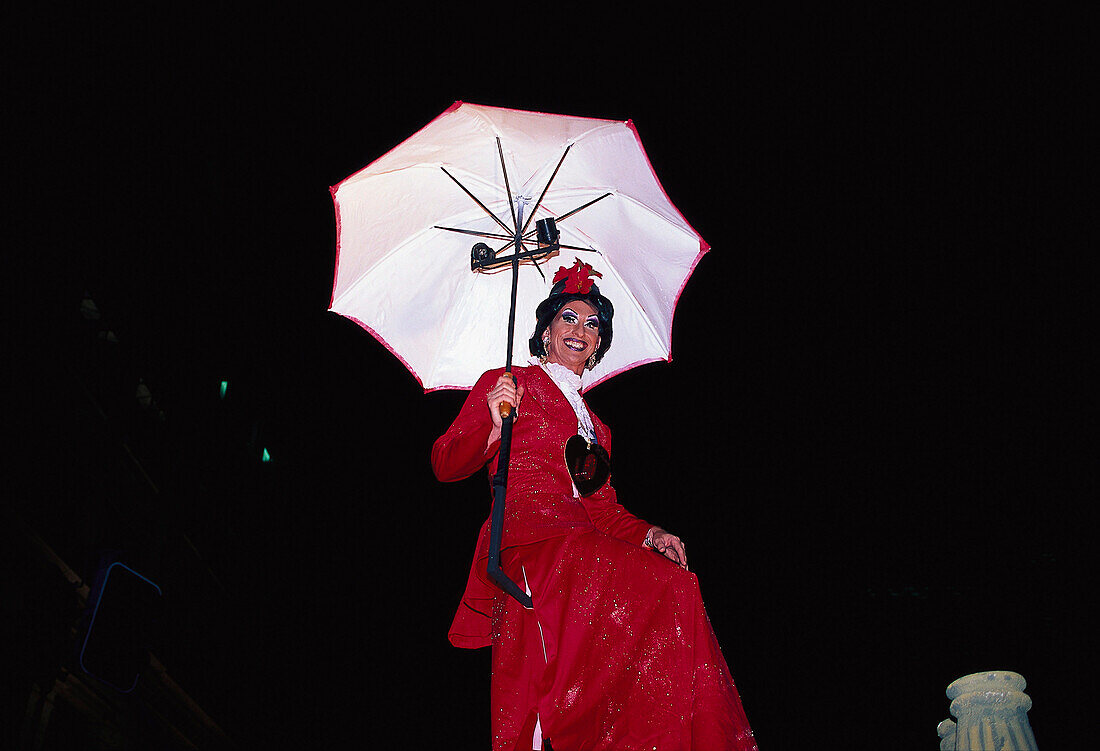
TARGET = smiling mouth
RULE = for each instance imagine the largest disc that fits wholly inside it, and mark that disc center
(576, 345)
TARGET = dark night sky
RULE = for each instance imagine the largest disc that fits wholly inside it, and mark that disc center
(868, 434)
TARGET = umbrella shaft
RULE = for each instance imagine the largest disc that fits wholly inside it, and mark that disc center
(500, 480)
(518, 239)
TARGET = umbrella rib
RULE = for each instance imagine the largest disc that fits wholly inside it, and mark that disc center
(475, 233)
(537, 267)
(484, 208)
(512, 206)
(548, 183)
(568, 214)
(532, 259)
(577, 247)
(507, 186)
(563, 246)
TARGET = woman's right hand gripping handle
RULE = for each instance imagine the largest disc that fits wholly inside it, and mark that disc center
(504, 397)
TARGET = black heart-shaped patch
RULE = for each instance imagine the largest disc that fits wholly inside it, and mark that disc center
(588, 464)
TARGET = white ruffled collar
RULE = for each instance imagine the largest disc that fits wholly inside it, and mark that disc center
(563, 376)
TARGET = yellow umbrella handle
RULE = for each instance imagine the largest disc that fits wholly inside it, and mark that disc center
(505, 408)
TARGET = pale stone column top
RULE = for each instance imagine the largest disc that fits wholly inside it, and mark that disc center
(996, 687)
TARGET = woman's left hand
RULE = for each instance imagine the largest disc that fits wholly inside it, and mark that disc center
(669, 545)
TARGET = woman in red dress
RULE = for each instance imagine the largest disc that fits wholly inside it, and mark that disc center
(617, 651)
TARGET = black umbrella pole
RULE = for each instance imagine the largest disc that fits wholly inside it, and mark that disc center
(496, 523)
(500, 479)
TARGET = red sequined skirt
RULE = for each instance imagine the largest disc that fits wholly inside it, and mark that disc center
(618, 653)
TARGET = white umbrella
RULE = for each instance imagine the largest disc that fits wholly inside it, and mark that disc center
(406, 224)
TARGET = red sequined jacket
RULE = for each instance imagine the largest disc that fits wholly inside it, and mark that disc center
(539, 502)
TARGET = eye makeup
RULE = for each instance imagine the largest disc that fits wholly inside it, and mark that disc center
(570, 316)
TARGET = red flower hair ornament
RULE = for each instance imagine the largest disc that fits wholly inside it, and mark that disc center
(578, 278)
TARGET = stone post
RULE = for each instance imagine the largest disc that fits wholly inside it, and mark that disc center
(946, 729)
(990, 710)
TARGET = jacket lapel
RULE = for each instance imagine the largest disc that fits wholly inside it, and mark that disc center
(547, 394)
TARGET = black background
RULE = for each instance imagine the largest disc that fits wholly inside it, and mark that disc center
(869, 436)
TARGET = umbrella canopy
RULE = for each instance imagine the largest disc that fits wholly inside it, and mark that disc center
(406, 224)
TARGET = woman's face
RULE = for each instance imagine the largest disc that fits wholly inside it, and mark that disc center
(573, 335)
